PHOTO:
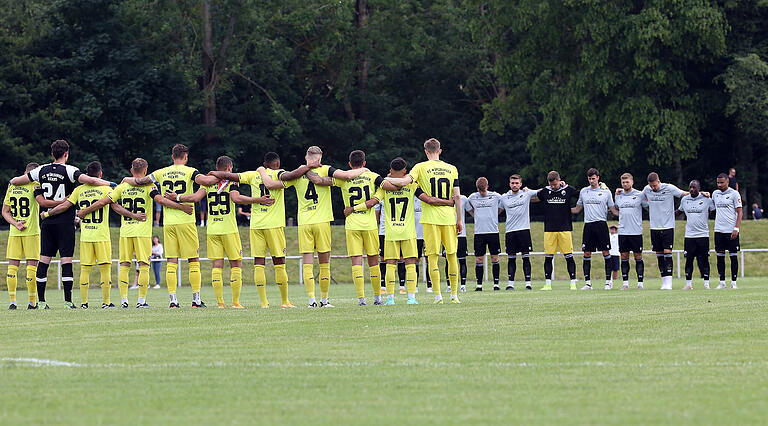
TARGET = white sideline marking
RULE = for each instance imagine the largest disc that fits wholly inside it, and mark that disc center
(43, 362)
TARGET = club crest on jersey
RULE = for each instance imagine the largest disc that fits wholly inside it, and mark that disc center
(562, 192)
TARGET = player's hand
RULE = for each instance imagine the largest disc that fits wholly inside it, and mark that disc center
(266, 200)
(81, 214)
(314, 163)
(21, 225)
(141, 217)
(170, 195)
(705, 193)
(261, 169)
(459, 227)
(348, 211)
(734, 234)
(618, 191)
(188, 209)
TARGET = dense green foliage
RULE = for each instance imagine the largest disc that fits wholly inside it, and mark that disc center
(506, 85)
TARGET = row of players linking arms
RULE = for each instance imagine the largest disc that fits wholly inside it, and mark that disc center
(42, 203)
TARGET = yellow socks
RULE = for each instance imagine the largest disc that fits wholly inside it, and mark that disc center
(375, 274)
(31, 284)
(282, 282)
(325, 280)
(122, 280)
(236, 283)
(217, 282)
(105, 271)
(13, 271)
(453, 273)
(308, 274)
(170, 277)
(358, 280)
(261, 283)
(85, 274)
(143, 282)
(195, 280)
(391, 278)
(434, 273)
(410, 278)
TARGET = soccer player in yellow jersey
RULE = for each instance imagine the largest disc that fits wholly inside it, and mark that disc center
(179, 230)
(20, 209)
(95, 242)
(441, 224)
(315, 214)
(132, 203)
(267, 222)
(400, 227)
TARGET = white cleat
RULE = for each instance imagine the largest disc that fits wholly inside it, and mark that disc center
(721, 286)
(625, 287)
(429, 289)
(688, 287)
(640, 286)
(734, 286)
(706, 286)
(608, 286)
(463, 289)
(587, 287)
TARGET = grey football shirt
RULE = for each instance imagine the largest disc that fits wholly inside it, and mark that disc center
(696, 215)
(630, 207)
(486, 213)
(596, 202)
(417, 216)
(661, 205)
(726, 204)
(517, 206)
(382, 218)
(466, 207)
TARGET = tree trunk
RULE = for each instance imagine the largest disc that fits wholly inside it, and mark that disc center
(365, 57)
(209, 73)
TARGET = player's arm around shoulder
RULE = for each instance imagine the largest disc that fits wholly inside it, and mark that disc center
(165, 202)
(367, 204)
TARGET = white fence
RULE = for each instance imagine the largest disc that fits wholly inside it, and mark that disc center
(677, 253)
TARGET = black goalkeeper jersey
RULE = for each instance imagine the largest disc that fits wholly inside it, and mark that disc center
(57, 181)
(557, 208)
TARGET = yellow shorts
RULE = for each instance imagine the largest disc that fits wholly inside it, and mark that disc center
(558, 240)
(272, 239)
(181, 241)
(357, 241)
(142, 246)
(315, 237)
(434, 235)
(225, 244)
(406, 248)
(95, 252)
(25, 247)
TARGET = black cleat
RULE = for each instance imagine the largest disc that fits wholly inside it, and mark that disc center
(528, 287)
(199, 305)
(30, 307)
(69, 304)
(479, 288)
(45, 305)
(173, 305)
(496, 287)
(105, 306)
(312, 305)
(124, 305)
(509, 287)
(84, 306)
(12, 307)
(142, 305)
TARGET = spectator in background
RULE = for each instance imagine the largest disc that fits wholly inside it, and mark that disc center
(615, 254)
(732, 182)
(158, 213)
(757, 212)
(157, 253)
(243, 215)
(203, 210)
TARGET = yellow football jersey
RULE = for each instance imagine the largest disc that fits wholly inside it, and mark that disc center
(221, 209)
(358, 190)
(179, 179)
(400, 219)
(437, 179)
(314, 201)
(266, 217)
(136, 199)
(21, 200)
(95, 226)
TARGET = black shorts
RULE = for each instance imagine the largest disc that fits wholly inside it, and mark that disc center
(57, 237)
(662, 239)
(596, 237)
(420, 248)
(489, 241)
(723, 243)
(518, 242)
(630, 243)
(381, 246)
(695, 247)
(615, 263)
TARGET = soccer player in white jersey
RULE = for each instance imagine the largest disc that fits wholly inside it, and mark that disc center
(630, 203)
(696, 208)
(517, 205)
(728, 216)
(484, 207)
(661, 210)
(595, 201)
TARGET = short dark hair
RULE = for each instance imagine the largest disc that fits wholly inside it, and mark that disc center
(553, 176)
(516, 177)
(592, 172)
(356, 158)
(398, 164)
(179, 150)
(93, 169)
(139, 164)
(30, 167)
(653, 177)
(695, 183)
(223, 162)
(271, 157)
(722, 176)
(59, 148)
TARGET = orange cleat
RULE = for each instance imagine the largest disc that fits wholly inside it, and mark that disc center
(237, 306)
(288, 305)
(222, 306)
